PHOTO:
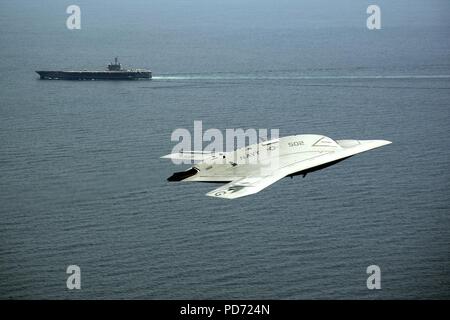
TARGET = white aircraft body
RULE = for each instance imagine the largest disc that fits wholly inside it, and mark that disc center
(250, 169)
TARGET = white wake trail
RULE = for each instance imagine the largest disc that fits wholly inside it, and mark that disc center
(305, 77)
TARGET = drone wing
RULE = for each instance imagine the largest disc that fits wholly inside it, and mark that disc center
(244, 186)
(198, 156)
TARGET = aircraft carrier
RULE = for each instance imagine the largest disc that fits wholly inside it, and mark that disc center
(114, 72)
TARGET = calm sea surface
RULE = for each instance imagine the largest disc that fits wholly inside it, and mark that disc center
(82, 182)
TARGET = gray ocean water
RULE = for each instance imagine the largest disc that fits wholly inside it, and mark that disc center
(82, 182)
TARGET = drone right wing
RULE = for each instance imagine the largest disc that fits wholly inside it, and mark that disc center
(244, 186)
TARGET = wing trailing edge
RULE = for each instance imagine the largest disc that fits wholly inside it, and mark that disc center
(190, 155)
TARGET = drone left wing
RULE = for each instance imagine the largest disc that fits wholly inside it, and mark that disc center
(244, 186)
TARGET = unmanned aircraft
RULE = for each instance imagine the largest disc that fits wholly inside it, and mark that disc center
(250, 169)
